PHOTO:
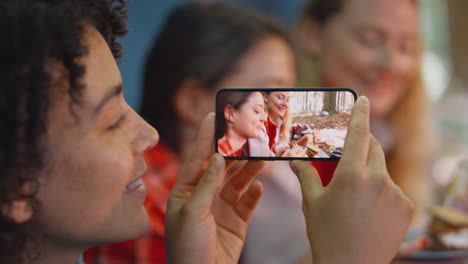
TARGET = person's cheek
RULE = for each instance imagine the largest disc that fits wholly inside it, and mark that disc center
(362, 62)
(363, 69)
(410, 68)
(336, 68)
(114, 162)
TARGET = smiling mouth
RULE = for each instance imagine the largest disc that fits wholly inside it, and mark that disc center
(137, 184)
(282, 109)
(378, 84)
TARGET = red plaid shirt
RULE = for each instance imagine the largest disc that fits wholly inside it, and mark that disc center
(163, 168)
(271, 130)
(225, 148)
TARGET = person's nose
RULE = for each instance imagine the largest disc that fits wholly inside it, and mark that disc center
(145, 137)
(386, 60)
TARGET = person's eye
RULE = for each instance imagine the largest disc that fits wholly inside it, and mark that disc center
(259, 110)
(118, 123)
(370, 39)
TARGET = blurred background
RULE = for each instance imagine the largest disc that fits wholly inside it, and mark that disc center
(444, 70)
(444, 66)
(445, 63)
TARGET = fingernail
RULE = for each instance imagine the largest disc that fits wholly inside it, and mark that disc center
(424, 242)
(364, 99)
(216, 161)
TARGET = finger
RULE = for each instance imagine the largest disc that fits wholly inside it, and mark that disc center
(412, 246)
(285, 153)
(234, 168)
(249, 201)
(357, 140)
(311, 185)
(301, 152)
(297, 151)
(376, 158)
(208, 186)
(236, 184)
(230, 163)
(190, 173)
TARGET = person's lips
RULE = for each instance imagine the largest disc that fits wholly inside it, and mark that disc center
(282, 109)
(378, 85)
(137, 184)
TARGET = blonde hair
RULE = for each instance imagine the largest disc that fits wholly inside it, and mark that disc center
(409, 160)
(285, 130)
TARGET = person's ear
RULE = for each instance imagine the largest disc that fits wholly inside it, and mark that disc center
(310, 36)
(191, 102)
(229, 114)
(19, 211)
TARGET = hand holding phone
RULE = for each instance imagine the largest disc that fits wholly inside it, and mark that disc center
(362, 207)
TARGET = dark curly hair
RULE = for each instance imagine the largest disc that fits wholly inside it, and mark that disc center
(36, 34)
(203, 41)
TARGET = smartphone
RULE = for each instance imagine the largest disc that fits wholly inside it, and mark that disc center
(282, 123)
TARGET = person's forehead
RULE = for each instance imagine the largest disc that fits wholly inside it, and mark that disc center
(283, 93)
(101, 70)
(268, 56)
(397, 13)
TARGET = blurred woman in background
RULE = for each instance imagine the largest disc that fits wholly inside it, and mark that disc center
(201, 49)
(374, 47)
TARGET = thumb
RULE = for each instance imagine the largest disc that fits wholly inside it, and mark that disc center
(311, 185)
(208, 186)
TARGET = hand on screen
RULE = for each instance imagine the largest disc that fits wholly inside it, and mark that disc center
(207, 219)
(362, 216)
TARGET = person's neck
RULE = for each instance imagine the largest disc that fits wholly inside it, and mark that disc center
(274, 118)
(52, 253)
(235, 140)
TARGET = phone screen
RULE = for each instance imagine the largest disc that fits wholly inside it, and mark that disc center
(283, 123)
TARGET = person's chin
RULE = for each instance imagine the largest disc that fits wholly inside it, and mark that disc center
(281, 113)
(142, 228)
(127, 230)
(139, 225)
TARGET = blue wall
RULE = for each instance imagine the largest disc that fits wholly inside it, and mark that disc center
(146, 18)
